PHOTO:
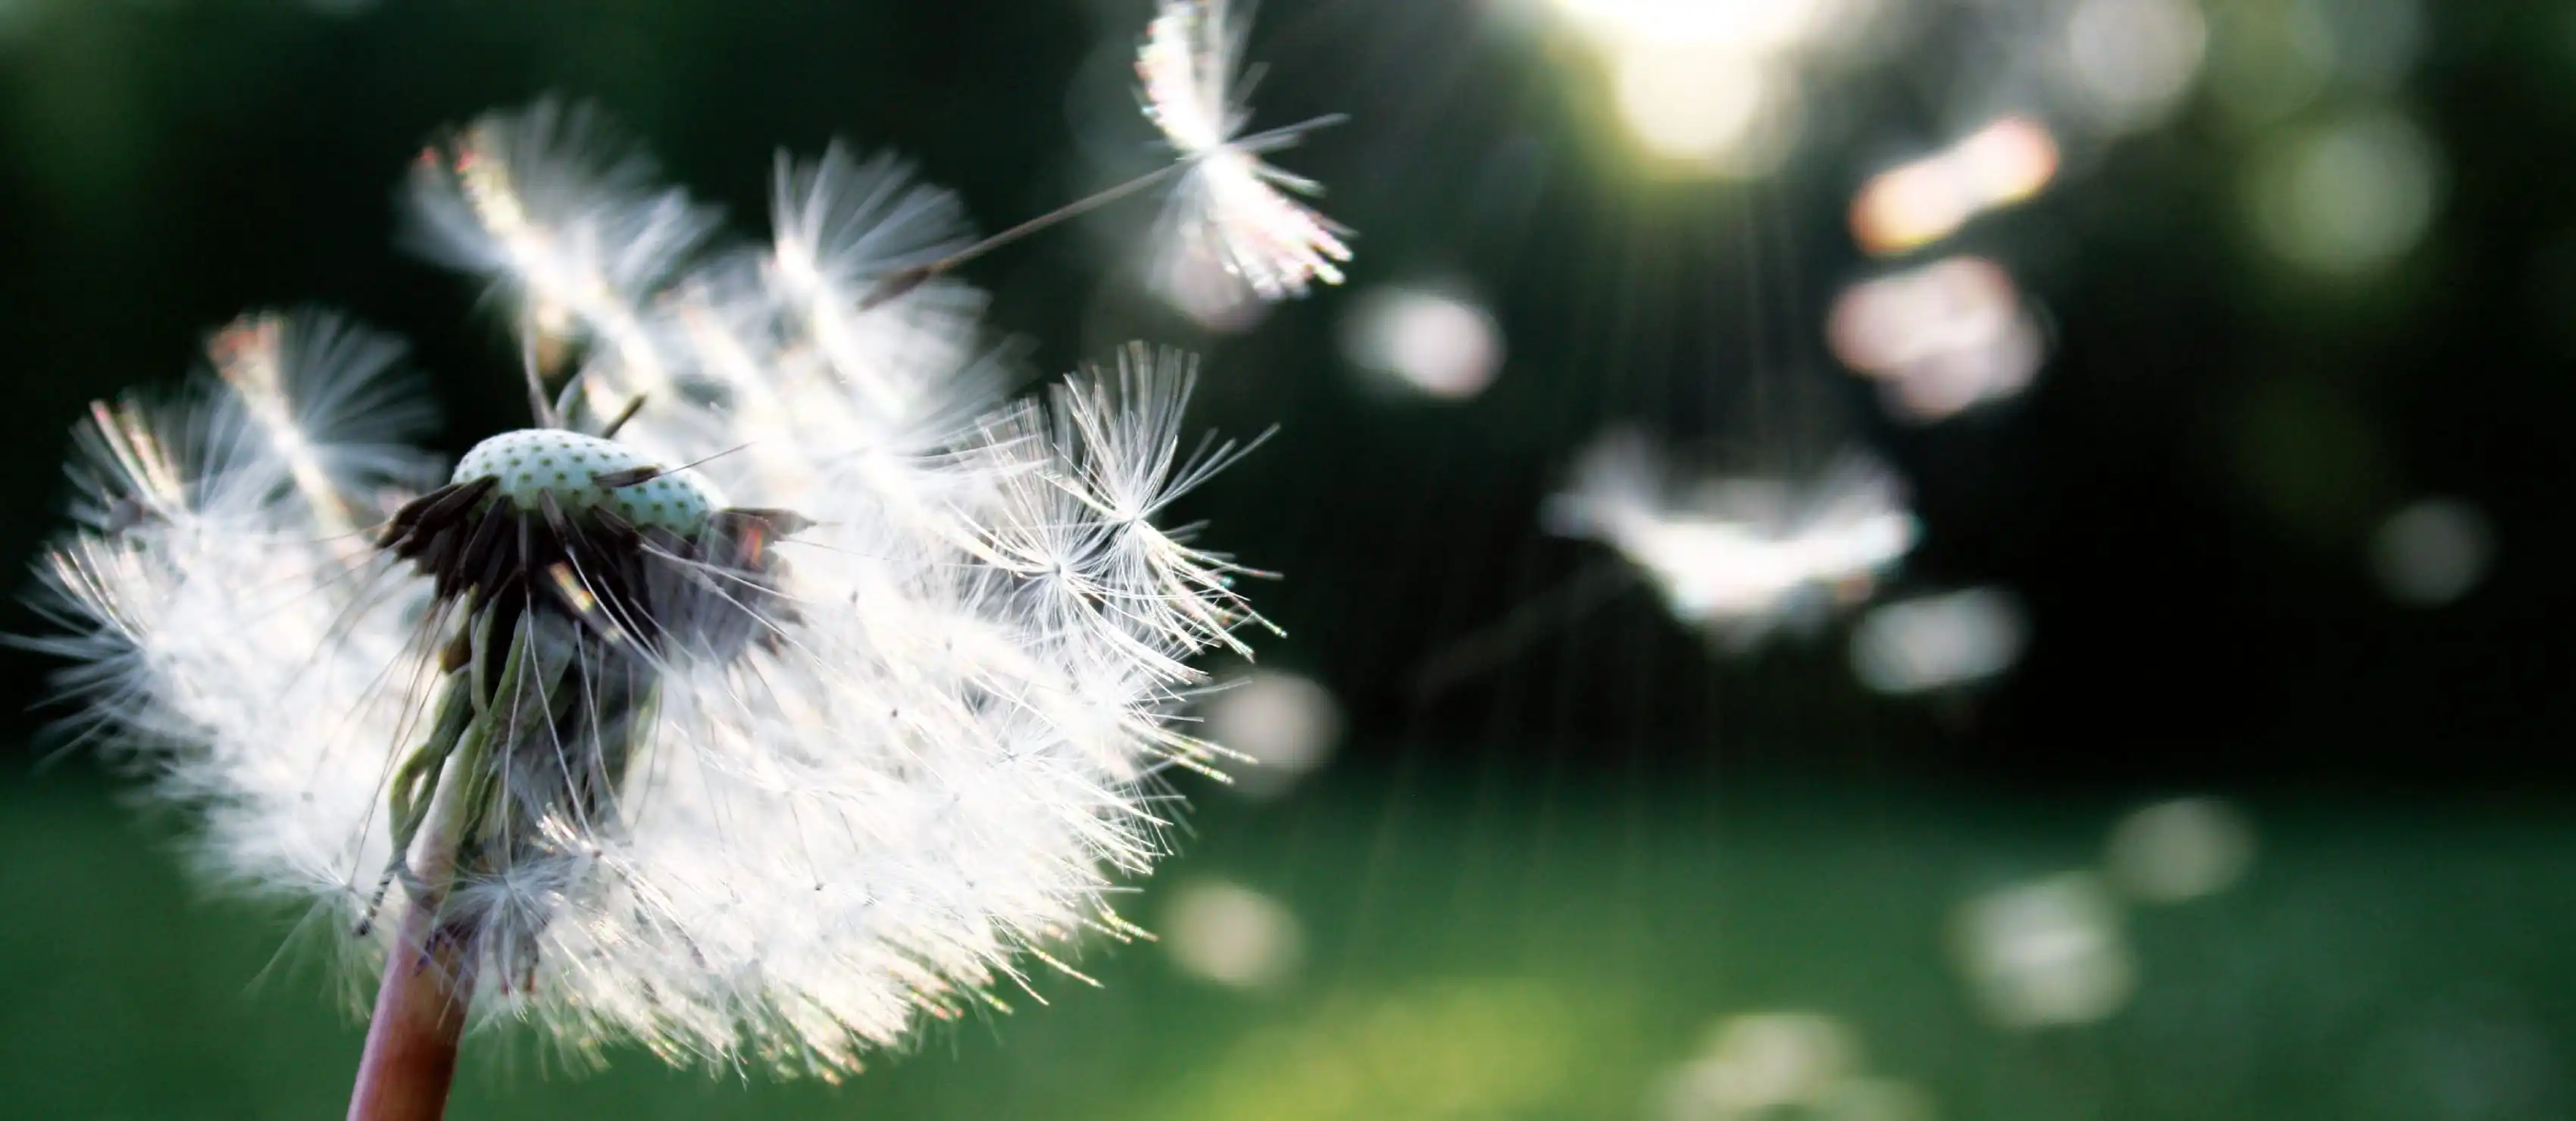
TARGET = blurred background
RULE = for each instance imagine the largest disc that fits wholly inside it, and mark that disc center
(1875, 559)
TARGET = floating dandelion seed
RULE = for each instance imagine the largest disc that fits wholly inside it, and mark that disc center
(1230, 205)
(561, 734)
(1739, 556)
(1228, 215)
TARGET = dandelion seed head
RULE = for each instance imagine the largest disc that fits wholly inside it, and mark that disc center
(764, 784)
(581, 473)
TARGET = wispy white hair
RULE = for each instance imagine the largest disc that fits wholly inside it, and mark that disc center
(1232, 207)
(936, 766)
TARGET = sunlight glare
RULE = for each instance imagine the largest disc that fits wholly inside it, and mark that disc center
(1739, 26)
(1714, 87)
(1703, 104)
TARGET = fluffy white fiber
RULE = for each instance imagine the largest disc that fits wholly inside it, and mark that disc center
(939, 761)
(1232, 208)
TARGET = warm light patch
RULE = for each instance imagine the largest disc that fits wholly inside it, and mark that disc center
(1915, 204)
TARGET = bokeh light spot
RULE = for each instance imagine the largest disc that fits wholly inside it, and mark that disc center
(2432, 552)
(1915, 204)
(1427, 341)
(1938, 642)
(2047, 952)
(1762, 1061)
(1939, 339)
(1196, 284)
(1288, 724)
(2178, 850)
(2134, 59)
(2349, 196)
(1231, 935)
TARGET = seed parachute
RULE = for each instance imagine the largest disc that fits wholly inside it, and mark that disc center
(786, 684)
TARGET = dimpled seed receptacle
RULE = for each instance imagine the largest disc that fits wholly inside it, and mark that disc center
(530, 462)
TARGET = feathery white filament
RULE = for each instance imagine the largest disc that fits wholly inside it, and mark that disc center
(1230, 205)
(319, 374)
(563, 217)
(933, 765)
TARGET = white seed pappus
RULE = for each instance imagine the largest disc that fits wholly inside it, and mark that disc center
(932, 763)
(1232, 207)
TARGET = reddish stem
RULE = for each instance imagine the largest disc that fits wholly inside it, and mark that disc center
(410, 1058)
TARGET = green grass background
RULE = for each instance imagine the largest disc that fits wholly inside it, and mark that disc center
(1507, 948)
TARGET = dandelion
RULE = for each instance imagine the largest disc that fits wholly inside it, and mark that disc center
(784, 687)
(1739, 556)
(1231, 206)
(1228, 210)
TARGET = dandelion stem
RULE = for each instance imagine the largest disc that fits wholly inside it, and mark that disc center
(410, 1059)
(897, 284)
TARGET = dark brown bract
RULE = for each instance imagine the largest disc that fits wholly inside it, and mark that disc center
(710, 592)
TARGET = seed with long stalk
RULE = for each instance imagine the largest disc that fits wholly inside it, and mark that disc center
(1231, 208)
